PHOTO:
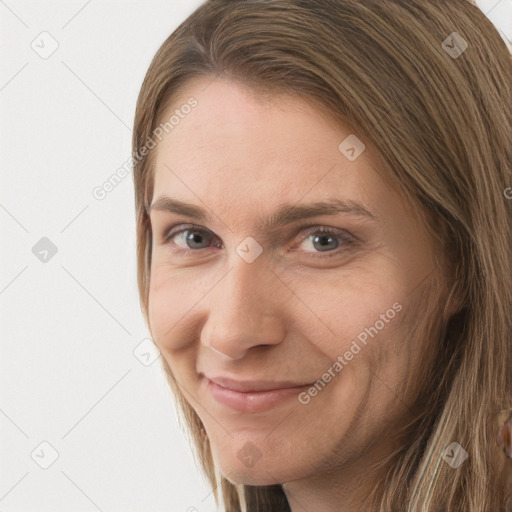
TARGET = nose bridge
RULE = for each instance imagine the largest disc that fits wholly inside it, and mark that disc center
(243, 311)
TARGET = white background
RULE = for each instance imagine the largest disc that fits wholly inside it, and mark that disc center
(69, 376)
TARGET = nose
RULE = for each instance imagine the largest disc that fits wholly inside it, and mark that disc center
(244, 310)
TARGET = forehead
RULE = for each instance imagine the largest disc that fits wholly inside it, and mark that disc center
(237, 151)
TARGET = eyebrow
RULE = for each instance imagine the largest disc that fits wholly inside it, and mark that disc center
(285, 214)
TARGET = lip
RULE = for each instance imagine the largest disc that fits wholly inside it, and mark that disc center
(252, 396)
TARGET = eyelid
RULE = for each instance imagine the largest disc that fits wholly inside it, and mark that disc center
(348, 239)
(172, 230)
(177, 228)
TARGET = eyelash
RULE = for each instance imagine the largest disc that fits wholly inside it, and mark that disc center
(347, 238)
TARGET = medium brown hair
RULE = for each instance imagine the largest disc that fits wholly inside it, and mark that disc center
(443, 126)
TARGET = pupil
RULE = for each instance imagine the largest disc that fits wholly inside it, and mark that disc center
(323, 246)
(322, 240)
(194, 237)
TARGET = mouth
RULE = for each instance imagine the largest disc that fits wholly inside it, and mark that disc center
(252, 396)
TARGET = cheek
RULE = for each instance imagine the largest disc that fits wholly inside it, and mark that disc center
(361, 304)
(329, 308)
(171, 300)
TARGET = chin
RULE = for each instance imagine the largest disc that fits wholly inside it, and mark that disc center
(254, 458)
(260, 476)
(262, 472)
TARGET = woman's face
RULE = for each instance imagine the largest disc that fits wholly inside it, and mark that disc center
(293, 345)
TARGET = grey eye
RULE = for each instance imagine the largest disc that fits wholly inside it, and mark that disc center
(191, 238)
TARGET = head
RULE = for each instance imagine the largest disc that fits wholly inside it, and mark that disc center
(320, 207)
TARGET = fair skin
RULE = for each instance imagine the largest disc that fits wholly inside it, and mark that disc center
(290, 313)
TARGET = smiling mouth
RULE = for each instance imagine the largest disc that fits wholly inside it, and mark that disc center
(252, 396)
